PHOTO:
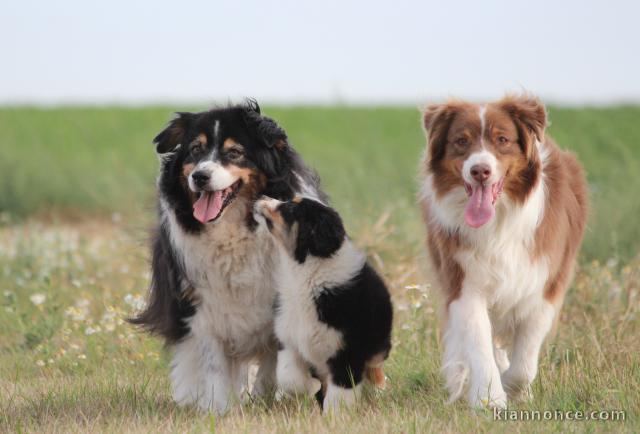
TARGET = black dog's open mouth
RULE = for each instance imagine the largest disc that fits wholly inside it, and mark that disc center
(211, 204)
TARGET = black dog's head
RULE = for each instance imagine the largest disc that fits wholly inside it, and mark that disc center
(211, 159)
(302, 226)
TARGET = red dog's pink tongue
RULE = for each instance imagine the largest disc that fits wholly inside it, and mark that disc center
(208, 206)
(479, 209)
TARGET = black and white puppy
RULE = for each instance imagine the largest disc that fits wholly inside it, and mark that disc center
(333, 311)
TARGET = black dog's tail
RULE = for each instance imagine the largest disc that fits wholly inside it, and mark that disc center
(168, 306)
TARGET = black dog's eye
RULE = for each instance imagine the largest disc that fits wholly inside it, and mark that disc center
(196, 147)
(234, 153)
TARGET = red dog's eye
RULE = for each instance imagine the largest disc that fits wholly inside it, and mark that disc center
(462, 141)
(502, 140)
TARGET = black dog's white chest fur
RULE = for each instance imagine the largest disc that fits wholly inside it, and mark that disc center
(232, 283)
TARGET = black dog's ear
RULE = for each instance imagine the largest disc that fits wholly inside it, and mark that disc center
(173, 135)
(272, 134)
(252, 105)
(263, 128)
(320, 231)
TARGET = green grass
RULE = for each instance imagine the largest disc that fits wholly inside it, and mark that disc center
(68, 362)
(101, 160)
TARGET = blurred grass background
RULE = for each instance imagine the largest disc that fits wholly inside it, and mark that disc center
(100, 161)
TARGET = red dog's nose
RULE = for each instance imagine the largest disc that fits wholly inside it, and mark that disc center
(480, 172)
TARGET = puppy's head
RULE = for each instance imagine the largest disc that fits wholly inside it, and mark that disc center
(485, 149)
(302, 226)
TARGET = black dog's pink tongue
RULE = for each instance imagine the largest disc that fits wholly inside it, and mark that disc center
(208, 206)
(479, 209)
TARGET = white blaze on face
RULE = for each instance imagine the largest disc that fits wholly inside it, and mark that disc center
(483, 122)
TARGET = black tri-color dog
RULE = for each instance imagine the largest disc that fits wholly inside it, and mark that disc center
(213, 284)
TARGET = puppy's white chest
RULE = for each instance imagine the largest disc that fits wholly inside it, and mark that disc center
(297, 324)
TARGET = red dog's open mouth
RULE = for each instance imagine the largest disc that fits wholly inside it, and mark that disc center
(210, 204)
(482, 201)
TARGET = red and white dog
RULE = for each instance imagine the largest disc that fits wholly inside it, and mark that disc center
(505, 210)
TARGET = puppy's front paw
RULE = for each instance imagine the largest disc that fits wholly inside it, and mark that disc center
(338, 397)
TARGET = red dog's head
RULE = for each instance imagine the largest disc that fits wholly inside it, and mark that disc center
(487, 149)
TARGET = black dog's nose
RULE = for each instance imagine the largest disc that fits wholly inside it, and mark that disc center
(200, 178)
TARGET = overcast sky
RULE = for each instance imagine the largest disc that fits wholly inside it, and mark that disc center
(144, 51)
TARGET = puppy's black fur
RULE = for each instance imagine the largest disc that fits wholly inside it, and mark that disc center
(361, 310)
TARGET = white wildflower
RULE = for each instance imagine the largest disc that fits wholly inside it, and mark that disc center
(40, 363)
(135, 301)
(403, 306)
(38, 299)
(83, 302)
(76, 314)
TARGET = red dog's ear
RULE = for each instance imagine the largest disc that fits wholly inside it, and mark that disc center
(436, 120)
(429, 114)
(530, 117)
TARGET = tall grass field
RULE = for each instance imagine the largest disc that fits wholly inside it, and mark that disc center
(77, 200)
